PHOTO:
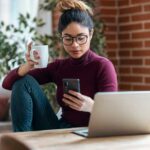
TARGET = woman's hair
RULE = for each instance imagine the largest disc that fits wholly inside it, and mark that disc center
(74, 11)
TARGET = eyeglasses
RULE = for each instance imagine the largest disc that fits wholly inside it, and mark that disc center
(80, 39)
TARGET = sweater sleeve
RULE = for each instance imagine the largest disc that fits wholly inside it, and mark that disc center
(42, 76)
(107, 77)
(10, 78)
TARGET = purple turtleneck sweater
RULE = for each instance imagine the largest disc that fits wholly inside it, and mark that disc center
(96, 74)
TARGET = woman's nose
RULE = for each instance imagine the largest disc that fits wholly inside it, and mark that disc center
(75, 43)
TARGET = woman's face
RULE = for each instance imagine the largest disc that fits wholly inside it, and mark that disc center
(76, 39)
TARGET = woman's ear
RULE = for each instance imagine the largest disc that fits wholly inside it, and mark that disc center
(91, 33)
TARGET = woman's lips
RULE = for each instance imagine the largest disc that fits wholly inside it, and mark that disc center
(75, 52)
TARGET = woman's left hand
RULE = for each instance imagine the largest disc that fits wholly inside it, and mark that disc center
(78, 101)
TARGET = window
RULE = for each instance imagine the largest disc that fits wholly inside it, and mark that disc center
(10, 9)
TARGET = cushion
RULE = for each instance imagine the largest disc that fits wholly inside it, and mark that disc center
(4, 107)
(4, 102)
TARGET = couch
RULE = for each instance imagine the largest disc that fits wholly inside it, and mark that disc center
(4, 103)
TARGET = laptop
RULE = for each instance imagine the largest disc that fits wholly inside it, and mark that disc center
(119, 113)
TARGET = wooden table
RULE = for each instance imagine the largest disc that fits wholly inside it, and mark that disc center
(66, 140)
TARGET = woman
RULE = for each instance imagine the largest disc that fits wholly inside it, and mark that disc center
(30, 108)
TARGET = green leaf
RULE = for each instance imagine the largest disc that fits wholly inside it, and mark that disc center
(28, 16)
(2, 23)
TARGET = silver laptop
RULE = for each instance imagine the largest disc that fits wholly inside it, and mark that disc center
(119, 113)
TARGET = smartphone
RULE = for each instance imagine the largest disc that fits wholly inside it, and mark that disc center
(71, 84)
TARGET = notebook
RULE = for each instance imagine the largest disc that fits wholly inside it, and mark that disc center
(119, 113)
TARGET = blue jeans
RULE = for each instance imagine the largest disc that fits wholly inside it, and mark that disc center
(30, 108)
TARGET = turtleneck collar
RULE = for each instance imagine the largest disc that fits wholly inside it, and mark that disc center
(82, 60)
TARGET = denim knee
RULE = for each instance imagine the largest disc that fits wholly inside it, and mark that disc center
(23, 83)
(26, 78)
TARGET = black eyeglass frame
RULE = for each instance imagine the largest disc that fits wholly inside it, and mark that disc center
(76, 39)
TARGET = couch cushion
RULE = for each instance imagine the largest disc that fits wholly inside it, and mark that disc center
(4, 102)
(4, 107)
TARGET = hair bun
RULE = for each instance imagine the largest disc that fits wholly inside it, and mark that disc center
(64, 5)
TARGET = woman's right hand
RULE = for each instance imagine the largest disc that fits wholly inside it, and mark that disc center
(29, 65)
(29, 61)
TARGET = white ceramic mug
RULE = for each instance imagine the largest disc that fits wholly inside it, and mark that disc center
(42, 51)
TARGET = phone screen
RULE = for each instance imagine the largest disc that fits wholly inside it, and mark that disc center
(71, 84)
